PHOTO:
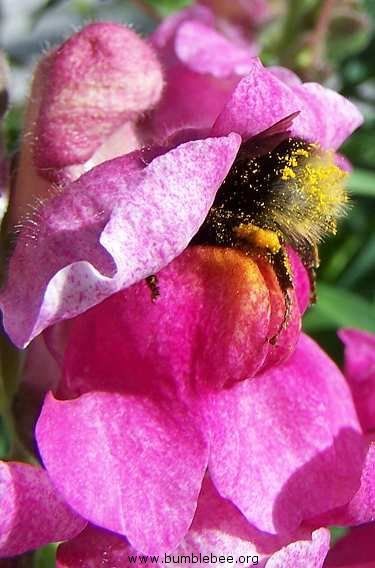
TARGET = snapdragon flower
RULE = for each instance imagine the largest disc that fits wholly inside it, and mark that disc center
(287, 458)
(170, 416)
(128, 217)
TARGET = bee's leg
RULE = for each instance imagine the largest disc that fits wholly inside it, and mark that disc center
(283, 271)
(152, 283)
(310, 258)
(267, 244)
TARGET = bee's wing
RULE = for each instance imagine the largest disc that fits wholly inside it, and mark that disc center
(269, 139)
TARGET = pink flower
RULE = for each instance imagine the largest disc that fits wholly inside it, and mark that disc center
(184, 467)
(167, 383)
(218, 532)
(32, 514)
(128, 217)
(155, 431)
(356, 549)
(360, 372)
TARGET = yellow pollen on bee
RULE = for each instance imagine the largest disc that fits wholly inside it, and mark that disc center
(315, 175)
(288, 173)
(258, 238)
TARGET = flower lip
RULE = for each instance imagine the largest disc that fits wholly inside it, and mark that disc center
(261, 99)
(236, 430)
(150, 213)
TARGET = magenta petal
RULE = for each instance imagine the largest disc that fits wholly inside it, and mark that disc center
(114, 226)
(204, 50)
(190, 100)
(283, 450)
(301, 281)
(208, 328)
(32, 513)
(285, 75)
(220, 529)
(361, 508)
(324, 104)
(96, 548)
(219, 535)
(144, 459)
(261, 99)
(303, 554)
(166, 31)
(360, 372)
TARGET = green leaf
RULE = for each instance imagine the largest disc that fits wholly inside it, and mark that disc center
(337, 308)
(12, 127)
(370, 7)
(362, 182)
(362, 264)
(45, 557)
(337, 533)
(350, 32)
(165, 7)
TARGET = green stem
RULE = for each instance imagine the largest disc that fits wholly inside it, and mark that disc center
(294, 13)
(319, 34)
(148, 9)
(12, 357)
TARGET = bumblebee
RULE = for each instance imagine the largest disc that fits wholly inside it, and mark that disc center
(279, 191)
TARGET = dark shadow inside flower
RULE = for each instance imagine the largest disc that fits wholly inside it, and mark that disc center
(356, 549)
(313, 490)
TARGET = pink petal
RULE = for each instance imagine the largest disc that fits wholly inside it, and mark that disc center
(190, 100)
(116, 225)
(361, 508)
(150, 368)
(95, 548)
(285, 75)
(97, 80)
(301, 281)
(166, 31)
(209, 327)
(204, 50)
(202, 67)
(333, 117)
(261, 99)
(32, 513)
(355, 550)
(303, 554)
(283, 450)
(220, 529)
(218, 533)
(144, 457)
(360, 372)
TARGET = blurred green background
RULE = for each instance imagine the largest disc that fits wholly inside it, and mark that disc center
(325, 40)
